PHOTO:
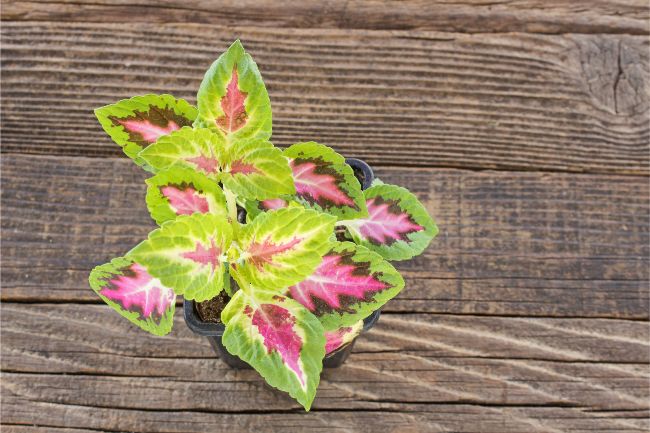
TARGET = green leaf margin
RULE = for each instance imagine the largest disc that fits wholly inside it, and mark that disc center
(313, 151)
(159, 206)
(97, 279)
(271, 366)
(128, 107)
(408, 203)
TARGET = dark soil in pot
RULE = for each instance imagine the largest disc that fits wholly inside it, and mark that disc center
(210, 310)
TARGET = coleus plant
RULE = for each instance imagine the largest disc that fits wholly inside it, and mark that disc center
(300, 292)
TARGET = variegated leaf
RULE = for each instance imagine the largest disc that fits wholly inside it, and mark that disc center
(279, 338)
(338, 338)
(397, 227)
(126, 286)
(198, 149)
(324, 181)
(280, 247)
(138, 122)
(232, 99)
(256, 207)
(188, 254)
(255, 169)
(350, 283)
(181, 191)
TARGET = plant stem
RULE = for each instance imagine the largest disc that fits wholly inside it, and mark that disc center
(226, 283)
(231, 202)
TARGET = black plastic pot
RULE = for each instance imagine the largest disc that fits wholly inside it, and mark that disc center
(214, 331)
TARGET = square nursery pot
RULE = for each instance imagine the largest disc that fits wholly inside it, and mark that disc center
(214, 331)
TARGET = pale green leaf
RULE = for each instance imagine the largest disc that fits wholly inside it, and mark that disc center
(198, 149)
(188, 254)
(255, 169)
(281, 247)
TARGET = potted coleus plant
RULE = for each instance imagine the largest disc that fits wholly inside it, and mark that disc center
(286, 243)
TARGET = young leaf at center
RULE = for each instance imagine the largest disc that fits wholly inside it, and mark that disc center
(350, 283)
(281, 247)
(232, 99)
(278, 337)
(188, 254)
(255, 169)
(142, 299)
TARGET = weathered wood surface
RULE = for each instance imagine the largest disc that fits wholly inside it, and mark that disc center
(528, 313)
(511, 243)
(507, 101)
(473, 16)
(50, 352)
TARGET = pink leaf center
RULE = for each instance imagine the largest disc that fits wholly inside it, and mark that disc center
(203, 256)
(263, 253)
(135, 288)
(384, 225)
(318, 186)
(333, 279)
(334, 339)
(273, 203)
(147, 130)
(276, 325)
(232, 104)
(185, 201)
(243, 168)
(208, 165)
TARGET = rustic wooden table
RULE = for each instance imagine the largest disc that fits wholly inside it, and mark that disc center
(523, 126)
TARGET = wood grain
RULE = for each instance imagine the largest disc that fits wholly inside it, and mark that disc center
(495, 365)
(48, 416)
(577, 103)
(529, 312)
(472, 16)
(510, 243)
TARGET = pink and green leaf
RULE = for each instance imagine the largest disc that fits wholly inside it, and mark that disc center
(279, 338)
(232, 99)
(257, 207)
(281, 247)
(140, 121)
(181, 191)
(334, 340)
(188, 254)
(397, 227)
(198, 149)
(324, 181)
(126, 287)
(255, 169)
(349, 285)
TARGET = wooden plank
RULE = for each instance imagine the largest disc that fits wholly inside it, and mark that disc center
(43, 416)
(470, 16)
(510, 243)
(575, 103)
(415, 363)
